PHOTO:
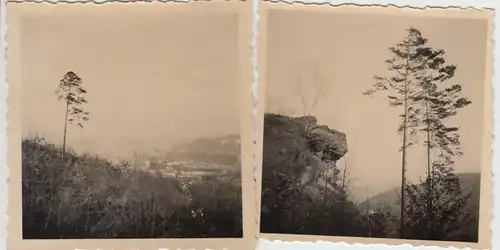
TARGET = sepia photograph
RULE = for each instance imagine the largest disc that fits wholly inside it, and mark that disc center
(129, 121)
(376, 124)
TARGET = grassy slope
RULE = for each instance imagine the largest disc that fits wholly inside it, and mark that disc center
(88, 197)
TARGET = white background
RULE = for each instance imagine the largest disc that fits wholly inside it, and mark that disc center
(264, 244)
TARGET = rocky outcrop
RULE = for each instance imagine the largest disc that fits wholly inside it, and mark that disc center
(320, 138)
(299, 151)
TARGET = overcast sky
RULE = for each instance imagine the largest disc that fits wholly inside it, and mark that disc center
(152, 78)
(347, 50)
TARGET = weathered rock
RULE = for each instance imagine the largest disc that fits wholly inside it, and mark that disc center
(299, 149)
(331, 142)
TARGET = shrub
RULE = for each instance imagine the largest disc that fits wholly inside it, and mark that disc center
(89, 197)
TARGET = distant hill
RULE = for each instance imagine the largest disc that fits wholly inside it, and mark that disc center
(228, 144)
(224, 150)
(390, 198)
(388, 201)
(207, 157)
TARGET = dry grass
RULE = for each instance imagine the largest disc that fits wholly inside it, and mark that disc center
(89, 197)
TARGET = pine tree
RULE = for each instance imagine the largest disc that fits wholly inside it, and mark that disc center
(438, 103)
(71, 90)
(441, 140)
(404, 86)
(416, 85)
(438, 209)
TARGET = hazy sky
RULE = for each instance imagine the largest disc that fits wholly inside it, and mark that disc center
(348, 50)
(153, 78)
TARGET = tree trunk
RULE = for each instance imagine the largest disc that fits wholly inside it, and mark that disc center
(403, 167)
(403, 155)
(66, 123)
(429, 167)
(343, 175)
(428, 143)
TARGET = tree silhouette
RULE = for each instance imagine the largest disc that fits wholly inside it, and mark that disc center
(419, 74)
(310, 92)
(344, 182)
(404, 86)
(72, 92)
(437, 104)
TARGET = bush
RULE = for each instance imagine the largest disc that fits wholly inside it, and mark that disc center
(89, 197)
(286, 208)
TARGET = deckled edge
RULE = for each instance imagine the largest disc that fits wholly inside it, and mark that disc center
(4, 170)
(415, 6)
(116, 1)
(484, 6)
(255, 112)
(320, 244)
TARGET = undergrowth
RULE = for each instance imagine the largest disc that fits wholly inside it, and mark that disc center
(84, 196)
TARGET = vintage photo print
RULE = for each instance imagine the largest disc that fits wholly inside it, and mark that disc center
(376, 124)
(129, 126)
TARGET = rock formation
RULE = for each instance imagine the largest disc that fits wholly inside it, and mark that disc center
(300, 151)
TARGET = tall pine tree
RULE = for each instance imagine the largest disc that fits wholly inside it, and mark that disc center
(72, 92)
(419, 76)
(439, 101)
(403, 86)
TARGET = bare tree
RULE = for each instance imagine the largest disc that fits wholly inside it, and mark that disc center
(310, 91)
(71, 90)
(344, 180)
